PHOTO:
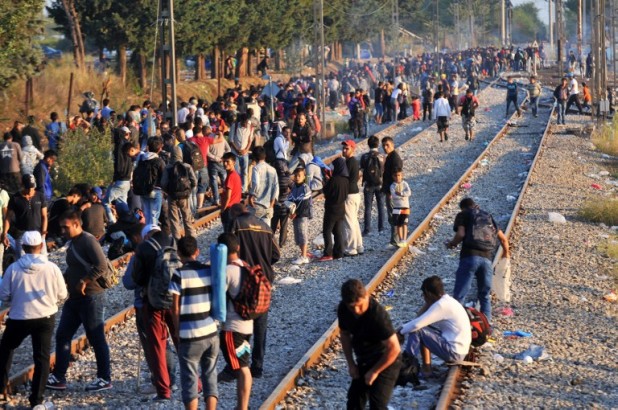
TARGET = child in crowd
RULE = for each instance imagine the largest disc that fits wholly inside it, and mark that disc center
(300, 206)
(400, 198)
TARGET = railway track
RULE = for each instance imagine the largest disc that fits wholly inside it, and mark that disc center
(79, 344)
(315, 357)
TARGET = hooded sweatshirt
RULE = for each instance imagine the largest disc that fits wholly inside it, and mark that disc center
(30, 156)
(33, 287)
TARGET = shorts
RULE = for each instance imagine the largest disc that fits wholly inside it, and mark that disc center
(379, 109)
(468, 123)
(202, 180)
(400, 216)
(442, 123)
(300, 231)
(236, 349)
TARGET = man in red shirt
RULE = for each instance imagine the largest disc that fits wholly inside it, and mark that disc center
(232, 190)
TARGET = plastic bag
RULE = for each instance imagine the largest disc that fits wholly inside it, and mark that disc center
(502, 280)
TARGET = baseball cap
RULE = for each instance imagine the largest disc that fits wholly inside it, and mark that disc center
(31, 238)
(28, 181)
(126, 130)
(349, 143)
(149, 228)
(98, 191)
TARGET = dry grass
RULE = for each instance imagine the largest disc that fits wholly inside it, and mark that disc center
(606, 139)
(609, 248)
(600, 210)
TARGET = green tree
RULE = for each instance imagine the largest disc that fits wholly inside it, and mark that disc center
(527, 26)
(20, 21)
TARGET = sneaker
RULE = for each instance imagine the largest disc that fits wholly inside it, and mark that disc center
(99, 385)
(466, 137)
(311, 255)
(353, 252)
(300, 261)
(325, 258)
(256, 373)
(54, 384)
(160, 399)
(401, 244)
(391, 246)
(360, 250)
(445, 136)
(226, 376)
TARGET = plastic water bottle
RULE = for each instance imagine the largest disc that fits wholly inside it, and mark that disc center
(48, 405)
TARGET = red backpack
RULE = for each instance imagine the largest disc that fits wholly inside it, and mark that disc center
(253, 299)
(480, 326)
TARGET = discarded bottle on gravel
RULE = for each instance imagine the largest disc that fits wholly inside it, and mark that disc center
(48, 405)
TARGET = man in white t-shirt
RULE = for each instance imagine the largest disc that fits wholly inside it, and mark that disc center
(442, 327)
(573, 95)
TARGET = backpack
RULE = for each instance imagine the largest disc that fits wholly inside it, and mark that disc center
(194, 155)
(373, 170)
(481, 233)
(108, 279)
(408, 372)
(145, 176)
(269, 147)
(179, 186)
(166, 263)
(253, 299)
(479, 325)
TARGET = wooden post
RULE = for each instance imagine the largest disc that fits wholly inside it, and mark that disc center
(27, 98)
(69, 99)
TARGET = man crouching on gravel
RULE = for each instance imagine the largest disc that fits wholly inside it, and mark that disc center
(442, 327)
(367, 335)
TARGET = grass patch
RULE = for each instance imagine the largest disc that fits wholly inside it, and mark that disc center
(606, 138)
(600, 210)
(609, 248)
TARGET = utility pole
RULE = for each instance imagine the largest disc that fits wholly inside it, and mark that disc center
(503, 22)
(580, 20)
(600, 104)
(560, 36)
(319, 54)
(436, 33)
(168, 55)
(509, 22)
(457, 25)
(550, 53)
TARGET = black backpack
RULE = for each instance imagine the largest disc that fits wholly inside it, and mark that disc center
(373, 169)
(145, 176)
(467, 108)
(481, 233)
(166, 263)
(194, 156)
(269, 147)
(179, 185)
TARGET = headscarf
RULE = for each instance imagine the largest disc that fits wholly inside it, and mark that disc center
(340, 168)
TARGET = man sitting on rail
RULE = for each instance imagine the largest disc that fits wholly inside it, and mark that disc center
(442, 327)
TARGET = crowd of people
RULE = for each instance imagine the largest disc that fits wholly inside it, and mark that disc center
(260, 169)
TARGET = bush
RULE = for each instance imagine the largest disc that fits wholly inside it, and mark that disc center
(606, 140)
(601, 210)
(84, 158)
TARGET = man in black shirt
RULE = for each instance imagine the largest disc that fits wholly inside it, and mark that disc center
(479, 234)
(353, 236)
(391, 163)
(124, 152)
(94, 217)
(27, 211)
(370, 346)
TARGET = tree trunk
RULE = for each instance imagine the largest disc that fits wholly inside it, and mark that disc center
(78, 33)
(243, 61)
(77, 52)
(382, 44)
(143, 72)
(280, 60)
(177, 70)
(216, 62)
(200, 69)
(122, 63)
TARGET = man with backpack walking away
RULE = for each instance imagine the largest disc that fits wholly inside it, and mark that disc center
(467, 107)
(178, 181)
(236, 331)
(86, 271)
(372, 166)
(257, 247)
(479, 234)
(442, 327)
(147, 180)
(154, 263)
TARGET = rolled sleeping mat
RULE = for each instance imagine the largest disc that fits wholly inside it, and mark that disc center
(218, 268)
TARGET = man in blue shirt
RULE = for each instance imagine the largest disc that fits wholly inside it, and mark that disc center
(511, 96)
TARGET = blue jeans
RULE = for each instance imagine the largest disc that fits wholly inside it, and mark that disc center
(202, 180)
(216, 171)
(151, 205)
(479, 267)
(242, 167)
(202, 353)
(432, 339)
(561, 111)
(534, 103)
(369, 192)
(117, 190)
(90, 312)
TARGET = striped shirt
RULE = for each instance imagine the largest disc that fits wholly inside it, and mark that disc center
(192, 283)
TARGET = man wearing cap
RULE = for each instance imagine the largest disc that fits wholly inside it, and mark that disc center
(86, 263)
(41, 174)
(353, 235)
(27, 211)
(94, 217)
(30, 316)
(159, 323)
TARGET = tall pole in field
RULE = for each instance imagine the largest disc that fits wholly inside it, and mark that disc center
(580, 20)
(503, 22)
(168, 57)
(551, 29)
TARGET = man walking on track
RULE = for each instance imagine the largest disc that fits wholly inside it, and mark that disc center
(85, 306)
(393, 161)
(467, 107)
(370, 346)
(479, 235)
(353, 235)
(34, 317)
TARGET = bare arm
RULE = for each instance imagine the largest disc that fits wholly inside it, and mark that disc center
(459, 236)
(44, 221)
(346, 344)
(390, 355)
(505, 244)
